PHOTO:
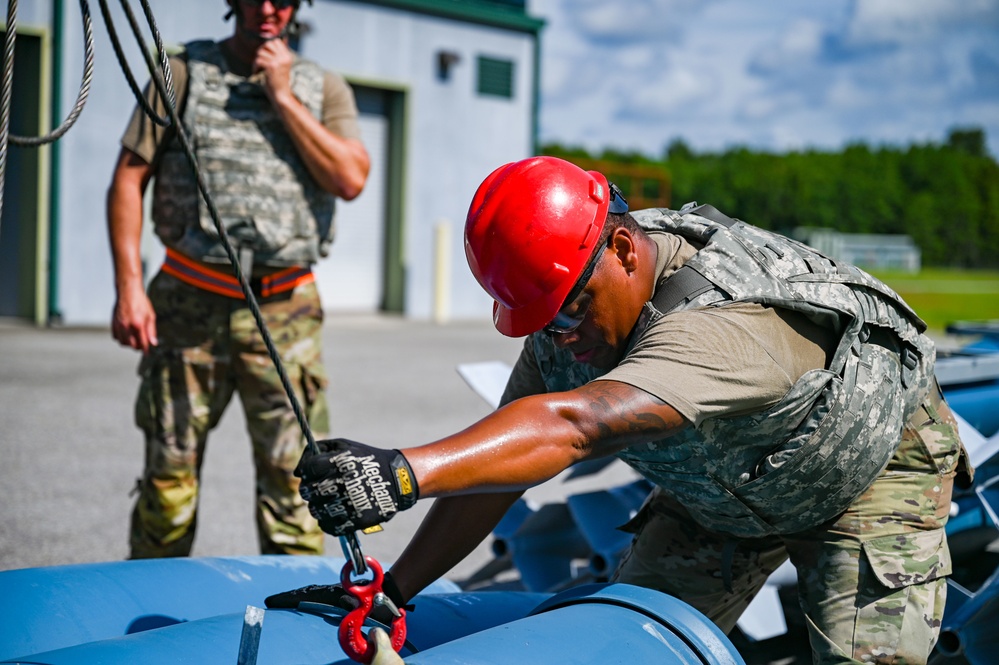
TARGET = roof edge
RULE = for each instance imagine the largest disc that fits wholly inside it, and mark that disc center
(486, 14)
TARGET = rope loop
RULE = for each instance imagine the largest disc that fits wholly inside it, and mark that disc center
(161, 76)
(8, 76)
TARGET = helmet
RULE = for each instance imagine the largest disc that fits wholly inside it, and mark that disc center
(530, 231)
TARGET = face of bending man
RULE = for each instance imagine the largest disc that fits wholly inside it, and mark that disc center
(609, 304)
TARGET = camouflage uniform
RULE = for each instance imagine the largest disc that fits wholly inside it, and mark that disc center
(849, 474)
(871, 582)
(210, 347)
(276, 216)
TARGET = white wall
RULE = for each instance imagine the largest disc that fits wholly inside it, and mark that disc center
(351, 278)
(454, 136)
(35, 14)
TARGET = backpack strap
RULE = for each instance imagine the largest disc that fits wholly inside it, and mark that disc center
(686, 283)
(708, 211)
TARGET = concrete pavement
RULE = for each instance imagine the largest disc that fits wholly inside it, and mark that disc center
(70, 453)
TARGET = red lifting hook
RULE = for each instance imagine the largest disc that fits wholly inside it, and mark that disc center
(352, 640)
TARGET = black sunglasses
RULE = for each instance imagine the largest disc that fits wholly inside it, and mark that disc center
(618, 204)
(278, 4)
(562, 323)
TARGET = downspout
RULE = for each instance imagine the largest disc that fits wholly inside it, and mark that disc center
(536, 102)
(54, 315)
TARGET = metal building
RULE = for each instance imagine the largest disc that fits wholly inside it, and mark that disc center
(447, 89)
(871, 251)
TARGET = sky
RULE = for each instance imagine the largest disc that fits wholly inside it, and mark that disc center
(772, 75)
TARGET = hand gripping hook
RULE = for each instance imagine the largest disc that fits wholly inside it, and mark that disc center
(353, 641)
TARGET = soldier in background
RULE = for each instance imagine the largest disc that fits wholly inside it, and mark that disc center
(277, 141)
(784, 406)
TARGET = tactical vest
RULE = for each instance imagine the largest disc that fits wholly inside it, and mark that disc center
(265, 196)
(807, 458)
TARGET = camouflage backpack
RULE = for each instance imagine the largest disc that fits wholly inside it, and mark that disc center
(804, 460)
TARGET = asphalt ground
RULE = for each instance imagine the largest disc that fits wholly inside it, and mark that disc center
(70, 452)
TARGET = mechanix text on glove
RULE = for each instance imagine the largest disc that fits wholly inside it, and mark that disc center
(351, 486)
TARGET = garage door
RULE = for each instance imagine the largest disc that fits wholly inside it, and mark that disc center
(352, 277)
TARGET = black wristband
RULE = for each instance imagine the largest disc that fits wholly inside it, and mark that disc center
(405, 481)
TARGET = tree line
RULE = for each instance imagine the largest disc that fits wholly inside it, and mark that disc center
(944, 195)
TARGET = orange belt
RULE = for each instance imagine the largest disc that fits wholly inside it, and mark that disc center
(225, 284)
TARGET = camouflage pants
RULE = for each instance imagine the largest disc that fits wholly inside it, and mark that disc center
(871, 582)
(209, 349)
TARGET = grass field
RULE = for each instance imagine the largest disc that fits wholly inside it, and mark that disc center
(942, 296)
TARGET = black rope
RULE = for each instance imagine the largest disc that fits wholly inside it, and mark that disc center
(162, 78)
(167, 93)
(160, 75)
(164, 87)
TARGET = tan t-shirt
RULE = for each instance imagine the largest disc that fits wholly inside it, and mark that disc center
(144, 137)
(710, 362)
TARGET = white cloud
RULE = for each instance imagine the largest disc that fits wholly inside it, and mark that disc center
(894, 21)
(674, 91)
(799, 45)
(634, 20)
(785, 74)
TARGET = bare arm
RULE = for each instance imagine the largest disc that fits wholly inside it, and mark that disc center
(451, 530)
(533, 439)
(524, 443)
(133, 322)
(339, 165)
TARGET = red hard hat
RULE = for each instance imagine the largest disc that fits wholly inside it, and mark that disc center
(529, 234)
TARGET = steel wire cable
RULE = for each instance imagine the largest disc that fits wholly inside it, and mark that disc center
(7, 83)
(85, 81)
(162, 78)
(159, 80)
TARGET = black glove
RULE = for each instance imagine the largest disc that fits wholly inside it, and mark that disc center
(350, 486)
(333, 594)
